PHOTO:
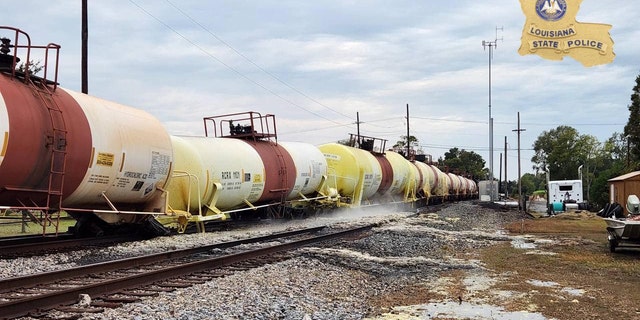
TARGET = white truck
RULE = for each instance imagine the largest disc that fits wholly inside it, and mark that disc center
(564, 195)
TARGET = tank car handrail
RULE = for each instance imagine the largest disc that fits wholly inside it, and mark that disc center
(259, 127)
(46, 58)
(16, 45)
(182, 174)
(368, 143)
(27, 72)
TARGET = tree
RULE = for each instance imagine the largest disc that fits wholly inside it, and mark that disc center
(531, 182)
(346, 142)
(463, 161)
(632, 128)
(401, 146)
(34, 67)
(616, 147)
(562, 151)
(609, 162)
(402, 143)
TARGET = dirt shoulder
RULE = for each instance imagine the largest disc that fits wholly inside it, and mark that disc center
(569, 274)
(553, 267)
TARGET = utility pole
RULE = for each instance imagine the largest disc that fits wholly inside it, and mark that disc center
(500, 174)
(408, 141)
(85, 50)
(491, 45)
(520, 175)
(358, 126)
(506, 180)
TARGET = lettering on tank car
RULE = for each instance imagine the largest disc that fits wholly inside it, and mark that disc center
(134, 175)
(247, 177)
(226, 175)
(160, 164)
(105, 159)
(98, 179)
(256, 189)
(122, 183)
(330, 156)
(316, 168)
(231, 185)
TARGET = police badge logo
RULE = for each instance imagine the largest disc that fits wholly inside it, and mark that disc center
(551, 10)
(552, 32)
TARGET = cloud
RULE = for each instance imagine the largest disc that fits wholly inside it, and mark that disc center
(316, 64)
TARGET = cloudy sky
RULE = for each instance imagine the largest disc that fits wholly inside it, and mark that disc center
(315, 64)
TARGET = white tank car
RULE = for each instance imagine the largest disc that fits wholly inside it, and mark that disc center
(131, 156)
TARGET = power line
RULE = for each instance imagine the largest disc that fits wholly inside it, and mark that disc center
(252, 62)
(450, 120)
(524, 123)
(228, 66)
(316, 129)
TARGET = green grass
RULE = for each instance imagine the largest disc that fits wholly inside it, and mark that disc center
(13, 227)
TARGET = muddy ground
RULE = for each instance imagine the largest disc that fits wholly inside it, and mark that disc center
(556, 267)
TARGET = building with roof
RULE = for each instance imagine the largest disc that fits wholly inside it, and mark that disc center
(622, 186)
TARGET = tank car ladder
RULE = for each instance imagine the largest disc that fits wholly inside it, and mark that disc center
(58, 163)
(280, 210)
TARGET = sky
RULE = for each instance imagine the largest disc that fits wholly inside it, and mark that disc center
(315, 65)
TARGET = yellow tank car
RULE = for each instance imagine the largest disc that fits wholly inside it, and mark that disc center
(403, 177)
(353, 173)
(427, 179)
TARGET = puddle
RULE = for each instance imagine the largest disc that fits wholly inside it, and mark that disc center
(540, 283)
(455, 310)
(542, 253)
(519, 243)
(573, 292)
(550, 284)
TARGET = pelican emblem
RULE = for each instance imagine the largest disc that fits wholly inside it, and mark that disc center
(551, 10)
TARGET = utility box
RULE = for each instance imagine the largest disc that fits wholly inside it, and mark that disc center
(486, 189)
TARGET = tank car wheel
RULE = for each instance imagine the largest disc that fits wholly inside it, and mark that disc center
(86, 225)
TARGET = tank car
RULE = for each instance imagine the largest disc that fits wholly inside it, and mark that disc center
(242, 168)
(112, 166)
(440, 188)
(362, 172)
(64, 150)
(425, 179)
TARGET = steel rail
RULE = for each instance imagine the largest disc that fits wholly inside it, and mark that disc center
(55, 276)
(33, 245)
(30, 238)
(50, 300)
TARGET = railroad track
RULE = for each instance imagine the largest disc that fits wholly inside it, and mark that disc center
(127, 280)
(32, 245)
(29, 245)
